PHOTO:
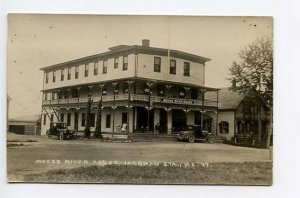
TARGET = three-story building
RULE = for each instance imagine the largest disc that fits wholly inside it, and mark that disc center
(141, 86)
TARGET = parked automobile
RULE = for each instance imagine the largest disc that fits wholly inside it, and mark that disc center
(60, 130)
(191, 133)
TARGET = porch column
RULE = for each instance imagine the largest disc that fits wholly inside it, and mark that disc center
(156, 118)
(217, 113)
(149, 105)
(135, 118)
(100, 107)
(169, 121)
(78, 91)
(114, 108)
(129, 105)
(202, 109)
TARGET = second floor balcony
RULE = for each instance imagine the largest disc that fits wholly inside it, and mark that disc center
(147, 99)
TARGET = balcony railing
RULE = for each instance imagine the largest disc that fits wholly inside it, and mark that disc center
(135, 97)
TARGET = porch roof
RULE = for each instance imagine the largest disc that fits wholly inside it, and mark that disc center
(140, 79)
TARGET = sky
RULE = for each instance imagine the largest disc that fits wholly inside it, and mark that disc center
(35, 41)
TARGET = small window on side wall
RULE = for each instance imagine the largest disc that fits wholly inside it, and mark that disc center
(223, 127)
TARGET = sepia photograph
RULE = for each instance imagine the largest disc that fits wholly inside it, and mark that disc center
(140, 99)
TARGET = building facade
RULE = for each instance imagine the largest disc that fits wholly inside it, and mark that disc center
(25, 125)
(150, 89)
(240, 115)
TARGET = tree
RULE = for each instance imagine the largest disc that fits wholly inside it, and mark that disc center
(98, 133)
(87, 129)
(254, 73)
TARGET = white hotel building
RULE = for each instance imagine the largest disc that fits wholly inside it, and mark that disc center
(138, 85)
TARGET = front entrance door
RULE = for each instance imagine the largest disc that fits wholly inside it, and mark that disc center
(124, 118)
(163, 121)
(179, 119)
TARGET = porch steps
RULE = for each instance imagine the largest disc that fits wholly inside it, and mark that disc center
(150, 137)
(218, 140)
(250, 142)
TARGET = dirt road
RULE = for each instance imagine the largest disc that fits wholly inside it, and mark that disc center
(45, 154)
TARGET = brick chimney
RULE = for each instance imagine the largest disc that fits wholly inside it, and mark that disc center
(146, 42)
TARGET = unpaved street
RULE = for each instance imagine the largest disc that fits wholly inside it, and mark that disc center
(32, 157)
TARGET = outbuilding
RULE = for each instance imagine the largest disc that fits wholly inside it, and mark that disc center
(26, 125)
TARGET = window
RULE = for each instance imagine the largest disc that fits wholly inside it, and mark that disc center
(76, 72)
(62, 117)
(125, 62)
(96, 64)
(92, 120)
(124, 117)
(117, 87)
(83, 119)
(157, 63)
(75, 93)
(86, 70)
(60, 95)
(125, 88)
(224, 127)
(69, 73)
(116, 62)
(186, 69)
(107, 121)
(181, 93)
(46, 96)
(69, 119)
(52, 117)
(54, 76)
(47, 77)
(66, 94)
(105, 67)
(160, 90)
(45, 118)
(172, 66)
(62, 76)
(104, 91)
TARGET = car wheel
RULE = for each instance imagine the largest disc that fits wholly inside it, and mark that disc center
(191, 138)
(210, 139)
(48, 134)
(61, 136)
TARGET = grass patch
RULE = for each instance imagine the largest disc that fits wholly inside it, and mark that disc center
(246, 173)
(13, 145)
(21, 140)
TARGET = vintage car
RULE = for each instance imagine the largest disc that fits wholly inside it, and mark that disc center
(191, 133)
(60, 130)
